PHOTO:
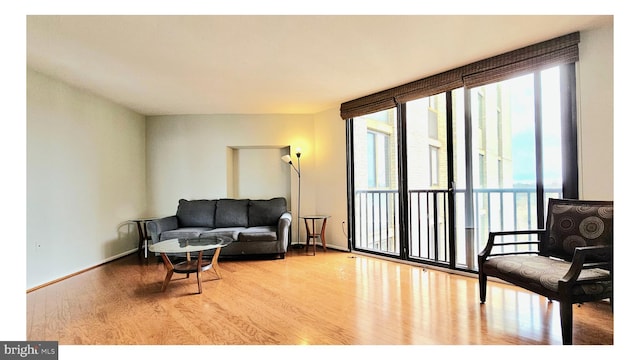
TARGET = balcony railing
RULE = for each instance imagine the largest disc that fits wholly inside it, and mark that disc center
(376, 220)
(428, 224)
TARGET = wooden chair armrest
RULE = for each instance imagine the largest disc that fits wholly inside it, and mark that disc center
(579, 261)
(517, 232)
(492, 236)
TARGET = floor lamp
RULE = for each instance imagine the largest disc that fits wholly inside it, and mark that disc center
(287, 159)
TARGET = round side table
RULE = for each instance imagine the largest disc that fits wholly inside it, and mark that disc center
(312, 234)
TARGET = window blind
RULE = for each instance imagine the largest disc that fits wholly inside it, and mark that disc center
(557, 51)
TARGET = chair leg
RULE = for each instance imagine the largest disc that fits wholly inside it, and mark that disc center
(566, 322)
(482, 280)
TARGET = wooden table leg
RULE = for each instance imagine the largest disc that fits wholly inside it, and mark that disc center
(188, 261)
(214, 263)
(169, 266)
(313, 222)
(324, 242)
(311, 234)
(198, 271)
(140, 237)
(143, 237)
(306, 226)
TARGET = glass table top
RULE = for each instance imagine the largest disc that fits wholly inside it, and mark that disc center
(189, 245)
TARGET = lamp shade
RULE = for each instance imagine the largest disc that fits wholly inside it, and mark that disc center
(286, 158)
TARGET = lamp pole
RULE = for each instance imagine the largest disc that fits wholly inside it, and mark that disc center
(287, 159)
(298, 156)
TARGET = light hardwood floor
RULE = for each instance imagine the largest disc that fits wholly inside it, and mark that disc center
(334, 298)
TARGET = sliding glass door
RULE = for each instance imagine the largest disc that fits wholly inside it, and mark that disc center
(427, 175)
(375, 195)
(513, 162)
(434, 175)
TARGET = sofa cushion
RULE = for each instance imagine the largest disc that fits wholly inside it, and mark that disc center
(183, 233)
(266, 212)
(196, 213)
(258, 233)
(232, 231)
(232, 213)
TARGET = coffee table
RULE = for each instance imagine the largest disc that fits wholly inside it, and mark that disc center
(199, 245)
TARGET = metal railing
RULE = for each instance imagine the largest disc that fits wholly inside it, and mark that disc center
(428, 223)
(376, 220)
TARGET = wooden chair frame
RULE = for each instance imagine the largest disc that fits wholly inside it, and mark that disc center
(584, 258)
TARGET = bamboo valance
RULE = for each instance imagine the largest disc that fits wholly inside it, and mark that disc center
(561, 50)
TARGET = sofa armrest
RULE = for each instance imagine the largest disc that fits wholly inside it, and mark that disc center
(158, 226)
(284, 226)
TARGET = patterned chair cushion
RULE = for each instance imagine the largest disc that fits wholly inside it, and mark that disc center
(540, 272)
(571, 225)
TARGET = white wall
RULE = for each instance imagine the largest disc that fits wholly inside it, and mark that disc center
(259, 173)
(331, 175)
(187, 156)
(85, 178)
(595, 114)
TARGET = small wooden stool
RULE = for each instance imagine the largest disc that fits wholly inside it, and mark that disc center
(311, 231)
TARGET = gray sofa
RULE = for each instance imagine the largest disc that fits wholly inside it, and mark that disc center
(256, 226)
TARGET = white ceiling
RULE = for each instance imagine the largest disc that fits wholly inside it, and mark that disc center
(263, 64)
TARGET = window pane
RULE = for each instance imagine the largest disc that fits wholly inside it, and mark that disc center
(371, 159)
(551, 136)
(375, 182)
(505, 192)
(427, 178)
(464, 228)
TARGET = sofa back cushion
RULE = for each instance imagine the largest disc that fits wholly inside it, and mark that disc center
(196, 213)
(266, 212)
(232, 213)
